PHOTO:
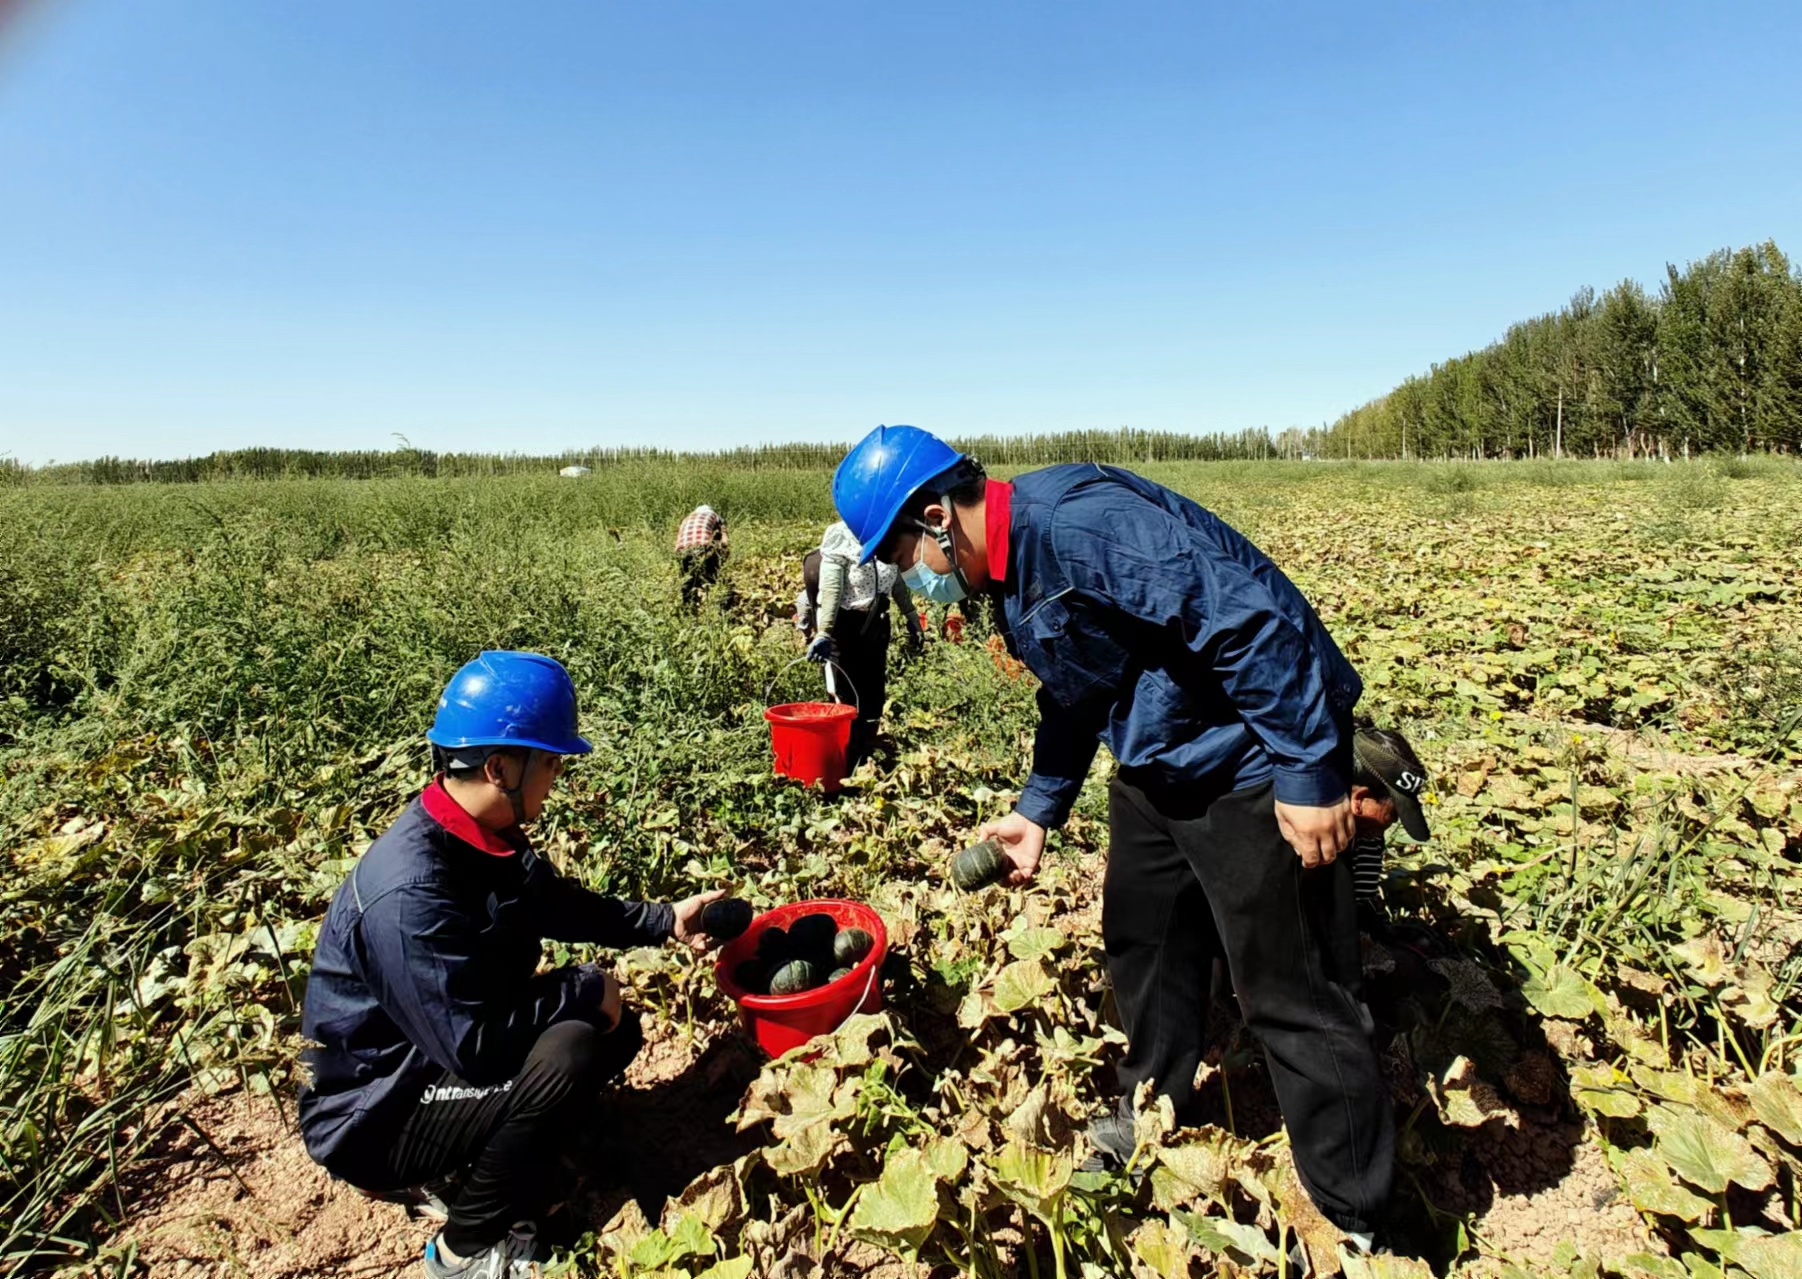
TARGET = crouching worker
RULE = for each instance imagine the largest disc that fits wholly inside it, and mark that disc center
(1387, 782)
(441, 1052)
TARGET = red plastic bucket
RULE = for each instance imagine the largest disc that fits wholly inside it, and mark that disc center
(782, 1022)
(810, 739)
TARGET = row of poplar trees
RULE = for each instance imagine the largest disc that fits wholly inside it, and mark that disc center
(1711, 363)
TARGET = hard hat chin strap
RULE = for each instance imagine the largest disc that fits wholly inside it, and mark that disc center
(946, 539)
(516, 793)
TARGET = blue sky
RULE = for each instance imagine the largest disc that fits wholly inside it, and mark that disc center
(539, 226)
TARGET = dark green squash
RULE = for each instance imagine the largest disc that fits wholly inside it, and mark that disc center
(726, 918)
(850, 946)
(773, 945)
(838, 973)
(980, 865)
(794, 977)
(810, 937)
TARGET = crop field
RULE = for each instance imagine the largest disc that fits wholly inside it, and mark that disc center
(213, 696)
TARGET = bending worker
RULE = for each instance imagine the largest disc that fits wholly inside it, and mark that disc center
(701, 551)
(853, 631)
(1156, 628)
(441, 1052)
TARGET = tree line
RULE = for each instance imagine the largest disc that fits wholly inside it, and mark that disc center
(1710, 363)
(1123, 446)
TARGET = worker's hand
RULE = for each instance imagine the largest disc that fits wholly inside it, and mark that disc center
(822, 650)
(916, 634)
(688, 920)
(1317, 835)
(1023, 841)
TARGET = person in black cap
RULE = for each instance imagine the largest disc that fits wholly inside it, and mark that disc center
(1388, 780)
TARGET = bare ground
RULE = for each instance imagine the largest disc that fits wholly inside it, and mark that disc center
(260, 1208)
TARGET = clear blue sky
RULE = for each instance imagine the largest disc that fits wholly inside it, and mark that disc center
(528, 227)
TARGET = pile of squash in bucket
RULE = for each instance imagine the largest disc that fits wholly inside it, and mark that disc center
(804, 969)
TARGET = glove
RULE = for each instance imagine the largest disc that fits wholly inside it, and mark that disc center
(821, 650)
(916, 634)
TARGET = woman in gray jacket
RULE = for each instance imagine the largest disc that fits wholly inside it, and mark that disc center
(853, 631)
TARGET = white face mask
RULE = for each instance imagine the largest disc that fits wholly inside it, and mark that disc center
(923, 579)
(940, 588)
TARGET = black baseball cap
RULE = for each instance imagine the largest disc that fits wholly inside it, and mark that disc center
(1384, 754)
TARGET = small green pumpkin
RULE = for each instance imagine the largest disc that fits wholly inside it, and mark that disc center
(810, 937)
(850, 946)
(726, 918)
(980, 865)
(773, 945)
(794, 977)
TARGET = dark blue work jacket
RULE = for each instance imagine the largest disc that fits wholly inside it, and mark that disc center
(1156, 628)
(427, 963)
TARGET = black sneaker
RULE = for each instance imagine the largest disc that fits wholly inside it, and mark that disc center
(1114, 1141)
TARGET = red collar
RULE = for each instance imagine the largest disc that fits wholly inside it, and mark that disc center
(996, 516)
(448, 813)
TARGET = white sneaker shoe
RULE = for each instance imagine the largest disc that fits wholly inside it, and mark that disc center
(513, 1256)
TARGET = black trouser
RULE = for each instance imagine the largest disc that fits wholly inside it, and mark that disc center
(861, 637)
(1191, 875)
(700, 569)
(509, 1136)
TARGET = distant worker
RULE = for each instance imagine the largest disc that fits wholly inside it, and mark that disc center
(1156, 628)
(852, 632)
(442, 1055)
(701, 550)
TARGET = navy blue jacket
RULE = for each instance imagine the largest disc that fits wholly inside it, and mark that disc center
(1156, 628)
(427, 963)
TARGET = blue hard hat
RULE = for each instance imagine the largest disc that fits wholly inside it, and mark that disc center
(509, 699)
(879, 475)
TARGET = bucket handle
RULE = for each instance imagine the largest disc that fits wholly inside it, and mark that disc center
(769, 688)
(868, 984)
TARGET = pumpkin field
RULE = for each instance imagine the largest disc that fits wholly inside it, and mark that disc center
(214, 695)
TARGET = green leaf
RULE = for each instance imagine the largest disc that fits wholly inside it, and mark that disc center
(1033, 943)
(1560, 992)
(1770, 1256)
(1706, 1153)
(1021, 983)
(1035, 1179)
(1196, 1170)
(1651, 1266)
(804, 1152)
(1761, 1255)
(1651, 1188)
(947, 1158)
(692, 1238)
(1604, 1090)
(1777, 1101)
(1246, 1245)
(654, 1251)
(1162, 1250)
(900, 1208)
